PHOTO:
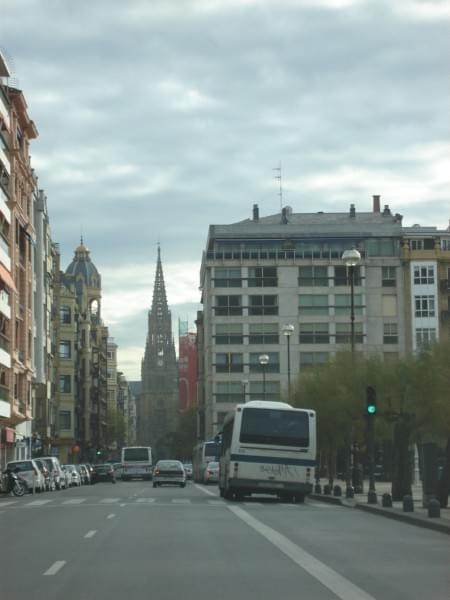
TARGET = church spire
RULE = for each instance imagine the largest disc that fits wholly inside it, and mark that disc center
(159, 302)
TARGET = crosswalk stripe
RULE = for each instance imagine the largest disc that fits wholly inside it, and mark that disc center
(217, 502)
(75, 501)
(145, 500)
(109, 500)
(321, 505)
(180, 501)
(37, 503)
(8, 503)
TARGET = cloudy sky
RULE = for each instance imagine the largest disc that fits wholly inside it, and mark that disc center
(157, 118)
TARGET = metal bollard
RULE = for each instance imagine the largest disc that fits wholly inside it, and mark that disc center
(337, 490)
(408, 504)
(317, 488)
(386, 501)
(372, 497)
(327, 489)
(349, 492)
(434, 509)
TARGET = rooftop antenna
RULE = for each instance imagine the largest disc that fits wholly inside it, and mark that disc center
(280, 192)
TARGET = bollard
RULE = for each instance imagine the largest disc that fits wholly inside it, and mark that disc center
(349, 492)
(337, 490)
(408, 504)
(386, 501)
(317, 488)
(372, 497)
(434, 508)
(327, 489)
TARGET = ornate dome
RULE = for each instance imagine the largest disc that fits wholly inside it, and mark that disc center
(82, 265)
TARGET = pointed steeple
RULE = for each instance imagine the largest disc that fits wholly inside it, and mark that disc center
(159, 302)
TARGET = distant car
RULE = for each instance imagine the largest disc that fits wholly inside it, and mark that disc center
(188, 469)
(57, 474)
(170, 472)
(29, 471)
(211, 474)
(105, 473)
(72, 475)
(84, 474)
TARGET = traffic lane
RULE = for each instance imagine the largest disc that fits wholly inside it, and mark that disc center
(194, 551)
(35, 538)
(388, 559)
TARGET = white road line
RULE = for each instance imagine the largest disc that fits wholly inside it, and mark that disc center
(55, 567)
(122, 504)
(217, 502)
(321, 505)
(180, 501)
(2, 504)
(203, 489)
(253, 503)
(109, 500)
(145, 500)
(75, 501)
(90, 534)
(339, 585)
(111, 516)
(37, 503)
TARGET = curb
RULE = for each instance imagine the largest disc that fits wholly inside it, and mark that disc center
(412, 519)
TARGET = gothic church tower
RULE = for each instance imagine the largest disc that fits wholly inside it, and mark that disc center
(158, 414)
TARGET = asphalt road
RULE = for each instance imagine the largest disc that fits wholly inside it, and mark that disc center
(129, 541)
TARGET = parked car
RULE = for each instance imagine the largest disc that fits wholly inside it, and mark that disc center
(57, 474)
(188, 469)
(48, 479)
(29, 470)
(118, 469)
(92, 473)
(211, 474)
(105, 473)
(169, 472)
(72, 475)
(84, 474)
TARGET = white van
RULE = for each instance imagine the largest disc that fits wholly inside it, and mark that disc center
(30, 471)
(56, 472)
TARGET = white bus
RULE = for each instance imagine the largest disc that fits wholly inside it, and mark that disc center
(204, 452)
(136, 463)
(268, 448)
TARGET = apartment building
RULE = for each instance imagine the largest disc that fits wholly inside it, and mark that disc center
(264, 273)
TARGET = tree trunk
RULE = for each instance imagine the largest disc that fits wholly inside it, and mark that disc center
(444, 479)
(401, 479)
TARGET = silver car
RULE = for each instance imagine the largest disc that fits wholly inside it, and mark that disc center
(30, 471)
(170, 472)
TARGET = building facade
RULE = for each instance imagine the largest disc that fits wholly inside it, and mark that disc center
(187, 367)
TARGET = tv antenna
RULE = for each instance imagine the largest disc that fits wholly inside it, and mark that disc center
(280, 191)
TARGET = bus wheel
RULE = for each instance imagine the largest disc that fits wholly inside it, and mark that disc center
(228, 494)
(221, 493)
(298, 498)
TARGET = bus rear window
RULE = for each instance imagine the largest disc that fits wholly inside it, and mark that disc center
(212, 449)
(274, 427)
(140, 454)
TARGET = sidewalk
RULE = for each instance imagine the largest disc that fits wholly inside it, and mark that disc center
(419, 517)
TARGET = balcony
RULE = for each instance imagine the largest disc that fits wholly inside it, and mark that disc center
(4, 112)
(5, 161)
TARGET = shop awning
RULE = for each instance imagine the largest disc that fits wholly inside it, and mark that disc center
(5, 276)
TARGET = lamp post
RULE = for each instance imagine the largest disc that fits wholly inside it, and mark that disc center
(244, 387)
(351, 258)
(288, 330)
(264, 361)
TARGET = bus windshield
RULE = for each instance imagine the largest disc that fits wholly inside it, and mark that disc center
(136, 454)
(274, 427)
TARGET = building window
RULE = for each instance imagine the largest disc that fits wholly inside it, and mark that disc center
(224, 277)
(344, 333)
(229, 333)
(227, 306)
(65, 382)
(388, 276)
(272, 391)
(262, 277)
(230, 391)
(424, 306)
(65, 349)
(390, 333)
(308, 359)
(313, 304)
(425, 336)
(273, 366)
(65, 420)
(263, 333)
(342, 277)
(342, 304)
(314, 333)
(424, 275)
(313, 276)
(263, 305)
(416, 244)
(229, 362)
(65, 315)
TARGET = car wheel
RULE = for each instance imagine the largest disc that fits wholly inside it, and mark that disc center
(155, 485)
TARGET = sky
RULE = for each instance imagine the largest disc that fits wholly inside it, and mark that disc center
(157, 118)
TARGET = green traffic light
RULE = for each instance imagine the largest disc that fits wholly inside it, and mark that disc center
(371, 409)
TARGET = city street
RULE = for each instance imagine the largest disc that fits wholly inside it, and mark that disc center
(132, 541)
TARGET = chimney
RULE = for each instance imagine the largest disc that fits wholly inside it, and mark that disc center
(284, 215)
(376, 204)
(386, 211)
(352, 211)
(398, 218)
(255, 212)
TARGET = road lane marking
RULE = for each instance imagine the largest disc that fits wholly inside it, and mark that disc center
(180, 501)
(75, 501)
(90, 534)
(339, 585)
(109, 500)
(321, 505)
(55, 567)
(217, 502)
(38, 503)
(253, 503)
(8, 503)
(122, 504)
(111, 516)
(145, 500)
(203, 489)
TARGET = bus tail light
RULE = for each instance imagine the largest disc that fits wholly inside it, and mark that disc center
(308, 473)
(236, 468)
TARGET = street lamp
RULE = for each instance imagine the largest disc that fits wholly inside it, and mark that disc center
(264, 361)
(244, 386)
(288, 330)
(351, 258)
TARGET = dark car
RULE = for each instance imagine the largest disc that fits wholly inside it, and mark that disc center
(105, 473)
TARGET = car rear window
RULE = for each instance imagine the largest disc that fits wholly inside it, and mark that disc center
(25, 465)
(169, 464)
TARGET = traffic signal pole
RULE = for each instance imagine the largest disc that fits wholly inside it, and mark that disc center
(371, 411)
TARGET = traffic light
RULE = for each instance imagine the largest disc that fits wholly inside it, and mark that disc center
(99, 452)
(371, 400)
